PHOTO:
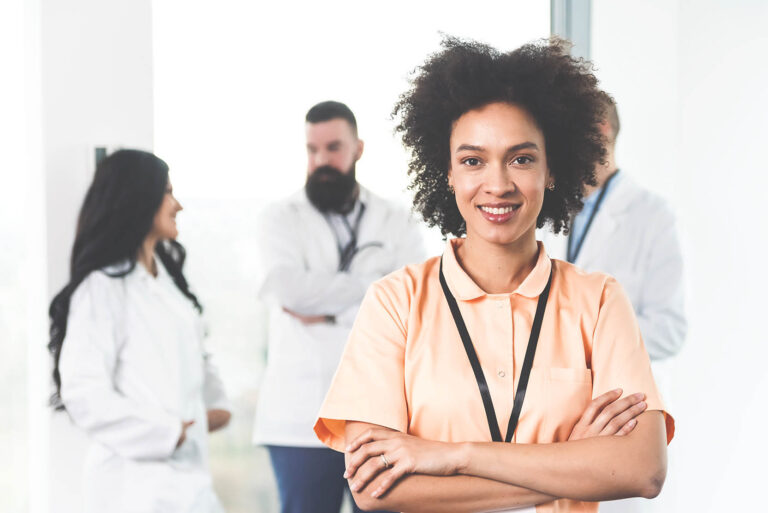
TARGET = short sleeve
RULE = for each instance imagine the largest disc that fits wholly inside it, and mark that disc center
(369, 384)
(619, 358)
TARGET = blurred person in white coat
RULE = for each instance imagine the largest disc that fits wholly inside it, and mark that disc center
(630, 233)
(127, 340)
(320, 250)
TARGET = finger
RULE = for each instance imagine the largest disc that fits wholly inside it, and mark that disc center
(620, 406)
(615, 425)
(361, 455)
(366, 473)
(369, 435)
(597, 404)
(615, 409)
(391, 477)
(628, 427)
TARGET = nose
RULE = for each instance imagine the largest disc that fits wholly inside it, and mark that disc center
(321, 158)
(498, 180)
(179, 206)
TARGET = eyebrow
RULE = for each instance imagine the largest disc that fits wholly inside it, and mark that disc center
(511, 149)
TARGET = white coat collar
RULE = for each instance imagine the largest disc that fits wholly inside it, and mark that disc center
(615, 205)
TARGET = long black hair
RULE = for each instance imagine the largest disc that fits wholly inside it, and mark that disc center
(115, 219)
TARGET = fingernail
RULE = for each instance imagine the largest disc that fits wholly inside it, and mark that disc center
(376, 493)
(639, 395)
(632, 422)
(354, 487)
(618, 391)
(348, 449)
(346, 474)
(642, 404)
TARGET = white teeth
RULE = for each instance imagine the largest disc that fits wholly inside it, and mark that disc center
(498, 211)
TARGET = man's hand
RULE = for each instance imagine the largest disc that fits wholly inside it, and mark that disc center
(184, 426)
(307, 319)
(217, 419)
(609, 415)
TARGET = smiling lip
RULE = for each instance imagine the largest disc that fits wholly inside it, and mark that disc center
(498, 213)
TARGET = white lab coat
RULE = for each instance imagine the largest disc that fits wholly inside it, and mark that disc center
(634, 239)
(132, 369)
(299, 259)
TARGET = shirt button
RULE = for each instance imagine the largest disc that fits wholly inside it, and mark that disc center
(502, 373)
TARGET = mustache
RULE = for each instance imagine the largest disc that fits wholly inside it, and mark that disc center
(326, 173)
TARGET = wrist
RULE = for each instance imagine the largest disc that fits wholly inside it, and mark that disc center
(462, 457)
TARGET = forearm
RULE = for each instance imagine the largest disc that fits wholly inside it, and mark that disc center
(663, 332)
(448, 494)
(131, 429)
(314, 292)
(593, 469)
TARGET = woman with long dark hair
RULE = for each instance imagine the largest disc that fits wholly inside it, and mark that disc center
(126, 339)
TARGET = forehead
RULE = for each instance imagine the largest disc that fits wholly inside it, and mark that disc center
(326, 132)
(503, 124)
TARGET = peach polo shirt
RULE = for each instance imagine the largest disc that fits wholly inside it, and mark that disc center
(405, 368)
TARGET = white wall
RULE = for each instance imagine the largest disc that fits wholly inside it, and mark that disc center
(690, 80)
(96, 62)
(22, 272)
(97, 90)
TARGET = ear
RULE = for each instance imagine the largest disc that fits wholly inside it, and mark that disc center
(549, 181)
(360, 148)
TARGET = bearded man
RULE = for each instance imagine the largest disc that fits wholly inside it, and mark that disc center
(320, 250)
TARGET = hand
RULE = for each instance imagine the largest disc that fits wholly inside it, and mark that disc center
(217, 419)
(307, 319)
(381, 450)
(184, 426)
(609, 415)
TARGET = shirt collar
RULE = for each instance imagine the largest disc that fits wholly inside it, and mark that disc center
(465, 289)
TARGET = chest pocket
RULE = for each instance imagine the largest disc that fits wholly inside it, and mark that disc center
(555, 400)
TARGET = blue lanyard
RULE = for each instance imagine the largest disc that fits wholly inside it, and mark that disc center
(573, 253)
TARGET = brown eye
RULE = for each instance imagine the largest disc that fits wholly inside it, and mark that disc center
(471, 161)
(522, 160)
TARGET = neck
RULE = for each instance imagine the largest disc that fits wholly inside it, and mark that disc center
(146, 256)
(350, 204)
(496, 268)
(602, 172)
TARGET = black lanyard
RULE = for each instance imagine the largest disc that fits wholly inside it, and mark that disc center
(482, 384)
(573, 253)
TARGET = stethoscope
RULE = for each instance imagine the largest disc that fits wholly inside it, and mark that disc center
(348, 252)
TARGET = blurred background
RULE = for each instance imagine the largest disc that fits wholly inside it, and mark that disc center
(219, 90)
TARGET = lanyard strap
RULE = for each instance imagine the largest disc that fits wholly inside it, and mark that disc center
(573, 253)
(482, 384)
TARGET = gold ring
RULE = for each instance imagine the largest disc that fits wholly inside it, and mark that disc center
(384, 460)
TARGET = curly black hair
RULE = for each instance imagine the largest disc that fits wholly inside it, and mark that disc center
(559, 91)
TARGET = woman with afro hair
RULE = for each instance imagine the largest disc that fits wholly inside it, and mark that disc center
(495, 378)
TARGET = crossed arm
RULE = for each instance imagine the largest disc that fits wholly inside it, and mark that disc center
(593, 465)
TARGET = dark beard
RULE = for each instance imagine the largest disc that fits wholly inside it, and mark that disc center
(330, 190)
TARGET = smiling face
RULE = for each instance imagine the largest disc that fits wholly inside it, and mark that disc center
(164, 224)
(499, 172)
